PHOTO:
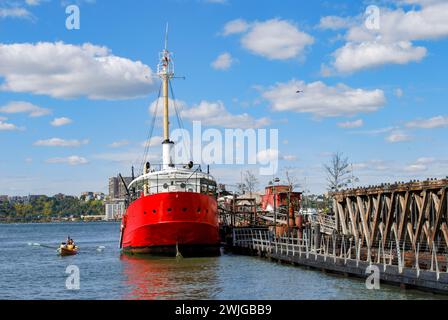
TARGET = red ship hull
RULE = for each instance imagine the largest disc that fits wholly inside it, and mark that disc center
(166, 222)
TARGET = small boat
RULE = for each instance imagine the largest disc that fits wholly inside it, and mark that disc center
(68, 250)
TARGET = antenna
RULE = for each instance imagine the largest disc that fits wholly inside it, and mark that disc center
(166, 37)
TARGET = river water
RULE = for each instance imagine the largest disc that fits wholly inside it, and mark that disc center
(30, 271)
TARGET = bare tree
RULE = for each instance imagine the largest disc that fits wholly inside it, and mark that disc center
(338, 172)
(291, 178)
(250, 181)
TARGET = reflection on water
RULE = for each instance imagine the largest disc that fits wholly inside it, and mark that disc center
(160, 278)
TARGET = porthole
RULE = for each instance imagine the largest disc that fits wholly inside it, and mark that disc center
(184, 209)
(199, 210)
(154, 211)
(183, 185)
(169, 209)
(165, 186)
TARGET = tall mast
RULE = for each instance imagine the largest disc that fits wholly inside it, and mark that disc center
(165, 71)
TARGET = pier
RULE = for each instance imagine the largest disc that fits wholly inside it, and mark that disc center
(398, 229)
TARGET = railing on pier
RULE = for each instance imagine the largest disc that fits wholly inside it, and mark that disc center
(341, 248)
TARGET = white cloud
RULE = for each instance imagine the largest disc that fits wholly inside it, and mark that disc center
(216, 114)
(435, 122)
(323, 101)
(235, 26)
(354, 57)
(273, 39)
(351, 124)
(416, 168)
(24, 107)
(276, 40)
(371, 165)
(425, 160)
(5, 126)
(68, 71)
(375, 132)
(154, 141)
(421, 2)
(15, 12)
(360, 166)
(421, 164)
(118, 144)
(158, 103)
(59, 122)
(430, 164)
(392, 43)
(33, 2)
(289, 157)
(334, 22)
(223, 62)
(268, 155)
(72, 160)
(212, 114)
(398, 92)
(57, 142)
(429, 22)
(398, 136)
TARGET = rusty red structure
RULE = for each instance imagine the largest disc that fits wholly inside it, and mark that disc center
(280, 196)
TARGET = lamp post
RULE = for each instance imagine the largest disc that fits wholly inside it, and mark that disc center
(276, 180)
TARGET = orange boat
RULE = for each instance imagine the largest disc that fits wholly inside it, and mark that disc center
(68, 250)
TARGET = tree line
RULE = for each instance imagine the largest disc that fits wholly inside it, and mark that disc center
(43, 208)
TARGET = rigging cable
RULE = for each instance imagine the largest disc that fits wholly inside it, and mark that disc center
(150, 133)
(180, 122)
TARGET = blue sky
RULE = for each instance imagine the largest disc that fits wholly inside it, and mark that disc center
(377, 95)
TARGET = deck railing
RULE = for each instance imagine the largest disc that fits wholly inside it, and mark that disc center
(336, 247)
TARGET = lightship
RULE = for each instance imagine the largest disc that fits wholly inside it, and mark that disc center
(171, 208)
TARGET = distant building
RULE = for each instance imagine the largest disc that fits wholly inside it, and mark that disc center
(115, 205)
(17, 199)
(116, 188)
(99, 196)
(114, 210)
(89, 195)
(33, 197)
(86, 196)
(3, 198)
